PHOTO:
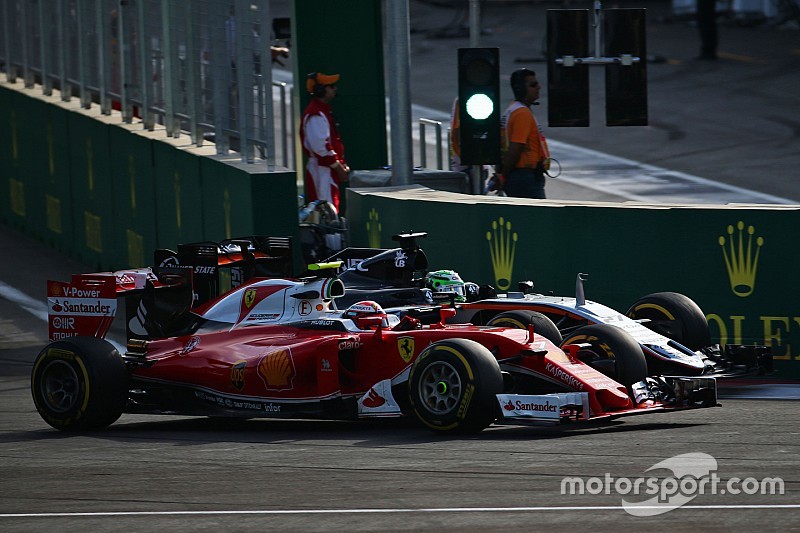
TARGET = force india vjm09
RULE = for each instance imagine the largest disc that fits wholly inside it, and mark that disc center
(280, 348)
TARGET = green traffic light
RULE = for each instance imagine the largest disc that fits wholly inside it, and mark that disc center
(479, 106)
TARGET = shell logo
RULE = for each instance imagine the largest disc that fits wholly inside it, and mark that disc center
(277, 370)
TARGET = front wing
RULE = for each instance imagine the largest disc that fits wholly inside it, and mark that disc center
(667, 393)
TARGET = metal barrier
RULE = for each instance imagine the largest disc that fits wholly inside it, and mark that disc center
(438, 146)
(199, 67)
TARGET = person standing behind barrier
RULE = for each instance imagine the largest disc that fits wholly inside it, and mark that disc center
(707, 24)
(526, 156)
(327, 168)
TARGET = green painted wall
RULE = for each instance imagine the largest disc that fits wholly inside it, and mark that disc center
(108, 193)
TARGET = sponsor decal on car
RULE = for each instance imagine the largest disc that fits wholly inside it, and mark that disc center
(190, 345)
(400, 259)
(277, 370)
(545, 407)
(263, 316)
(82, 307)
(350, 344)
(562, 376)
(405, 345)
(237, 403)
(237, 374)
(378, 401)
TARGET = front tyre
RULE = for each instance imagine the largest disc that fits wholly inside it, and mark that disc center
(675, 316)
(453, 386)
(79, 384)
(611, 351)
(542, 325)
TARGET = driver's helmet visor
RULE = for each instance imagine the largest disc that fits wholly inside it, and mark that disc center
(457, 288)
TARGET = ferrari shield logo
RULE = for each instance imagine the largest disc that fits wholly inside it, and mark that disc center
(249, 297)
(405, 345)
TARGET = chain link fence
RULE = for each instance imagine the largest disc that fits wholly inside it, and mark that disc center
(202, 68)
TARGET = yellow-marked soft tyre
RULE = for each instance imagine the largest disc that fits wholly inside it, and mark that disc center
(675, 316)
(611, 351)
(452, 386)
(521, 319)
(79, 384)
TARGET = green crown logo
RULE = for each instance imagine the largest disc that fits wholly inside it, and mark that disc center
(502, 245)
(373, 229)
(740, 260)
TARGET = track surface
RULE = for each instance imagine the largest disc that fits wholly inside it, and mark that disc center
(189, 474)
(734, 121)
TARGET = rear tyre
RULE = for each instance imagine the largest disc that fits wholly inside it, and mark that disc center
(452, 386)
(675, 316)
(611, 351)
(521, 319)
(79, 384)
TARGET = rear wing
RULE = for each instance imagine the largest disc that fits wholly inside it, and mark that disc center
(158, 299)
(154, 299)
(220, 266)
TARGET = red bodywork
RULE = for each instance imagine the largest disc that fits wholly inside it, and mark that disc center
(285, 363)
(296, 367)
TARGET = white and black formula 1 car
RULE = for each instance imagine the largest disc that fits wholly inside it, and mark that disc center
(671, 329)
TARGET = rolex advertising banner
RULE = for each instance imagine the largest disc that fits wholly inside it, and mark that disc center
(55, 190)
(179, 198)
(134, 195)
(92, 192)
(737, 263)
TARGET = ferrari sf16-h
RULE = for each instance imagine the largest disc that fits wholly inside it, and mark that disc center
(274, 347)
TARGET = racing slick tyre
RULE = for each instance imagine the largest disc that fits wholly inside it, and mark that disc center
(675, 316)
(79, 384)
(452, 386)
(520, 319)
(611, 351)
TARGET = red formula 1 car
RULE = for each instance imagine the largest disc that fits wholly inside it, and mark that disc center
(279, 348)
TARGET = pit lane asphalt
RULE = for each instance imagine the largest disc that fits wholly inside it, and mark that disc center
(198, 474)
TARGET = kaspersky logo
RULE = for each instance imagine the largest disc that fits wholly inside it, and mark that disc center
(741, 258)
(373, 229)
(502, 245)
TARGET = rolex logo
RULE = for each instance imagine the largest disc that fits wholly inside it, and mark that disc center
(502, 245)
(741, 259)
(374, 229)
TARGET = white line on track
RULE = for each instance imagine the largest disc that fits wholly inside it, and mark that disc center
(397, 510)
(36, 308)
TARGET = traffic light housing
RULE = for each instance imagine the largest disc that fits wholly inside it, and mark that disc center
(567, 86)
(626, 85)
(479, 105)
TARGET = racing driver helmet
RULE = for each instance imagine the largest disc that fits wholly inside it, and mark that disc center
(445, 282)
(361, 310)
